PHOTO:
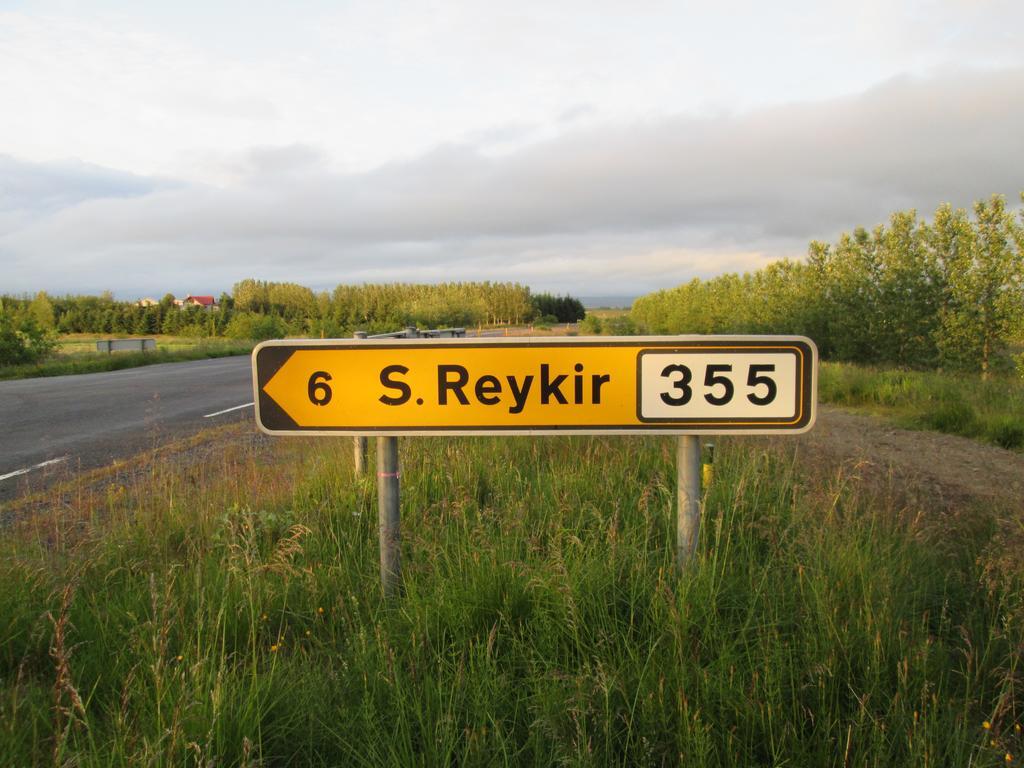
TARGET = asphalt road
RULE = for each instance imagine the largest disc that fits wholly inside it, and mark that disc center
(91, 419)
(69, 422)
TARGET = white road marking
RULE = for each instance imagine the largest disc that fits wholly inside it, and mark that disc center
(218, 413)
(17, 472)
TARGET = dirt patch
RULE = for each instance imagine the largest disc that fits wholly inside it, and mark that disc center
(943, 469)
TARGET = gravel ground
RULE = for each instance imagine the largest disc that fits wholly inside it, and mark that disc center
(945, 468)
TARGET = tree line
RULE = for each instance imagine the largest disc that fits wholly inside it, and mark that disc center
(948, 293)
(257, 309)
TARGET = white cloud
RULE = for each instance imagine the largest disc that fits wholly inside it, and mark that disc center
(618, 208)
(162, 88)
(37, 188)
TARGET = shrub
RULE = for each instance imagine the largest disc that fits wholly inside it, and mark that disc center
(953, 417)
(24, 341)
(591, 324)
(619, 325)
(245, 325)
(1007, 432)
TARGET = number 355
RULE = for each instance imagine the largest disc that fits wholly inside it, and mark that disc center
(718, 384)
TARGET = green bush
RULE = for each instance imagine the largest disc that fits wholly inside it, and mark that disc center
(620, 325)
(23, 341)
(245, 325)
(1007, 432)
(954, 417)
(591, 325)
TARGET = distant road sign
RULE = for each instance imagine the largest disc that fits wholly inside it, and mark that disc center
(536, 386)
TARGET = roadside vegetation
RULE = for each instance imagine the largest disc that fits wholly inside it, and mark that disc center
(77, 354)
(957, 404)
(227, 612)
(921, 321)
(608, 322)
(23, 340)
(257, 310)
(37, 332)
(914, 294)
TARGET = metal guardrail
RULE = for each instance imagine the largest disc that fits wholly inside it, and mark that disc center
(125, 345)
(412, 332)
(443, 333)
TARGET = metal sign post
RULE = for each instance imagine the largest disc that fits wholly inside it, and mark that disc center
(688, 498)
(359, 451)
(671, 385)
(389, 515)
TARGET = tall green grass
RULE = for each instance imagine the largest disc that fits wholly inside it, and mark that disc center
(235, 617)
(992, 410)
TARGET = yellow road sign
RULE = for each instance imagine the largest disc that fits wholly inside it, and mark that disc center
(628, 385)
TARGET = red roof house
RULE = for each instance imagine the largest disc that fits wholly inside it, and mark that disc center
(206, 302)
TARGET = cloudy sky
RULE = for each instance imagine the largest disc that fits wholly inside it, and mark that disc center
(586, 146)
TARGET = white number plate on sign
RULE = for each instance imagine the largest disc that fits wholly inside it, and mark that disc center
(704, 384)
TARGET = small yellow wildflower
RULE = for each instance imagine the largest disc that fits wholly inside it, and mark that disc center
(1008, 757)
(992, 742)
(986, 725)
(179, 658)
(308, 633)
(320, 611)
(1017, 728)
(263, 617)
(274, 647)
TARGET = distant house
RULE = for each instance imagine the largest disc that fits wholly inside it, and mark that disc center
(206, 302)
(147, 302)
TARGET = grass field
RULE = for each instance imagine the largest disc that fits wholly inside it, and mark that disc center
(76, 353)
(227, 612)
(992, 410)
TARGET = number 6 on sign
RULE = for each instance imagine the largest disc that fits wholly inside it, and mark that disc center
(318, 390)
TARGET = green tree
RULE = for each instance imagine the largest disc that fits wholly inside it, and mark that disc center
(24, 341)
(909, 293)
(565, 309)
(251, 295)
(985, 296)
(41, 310)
